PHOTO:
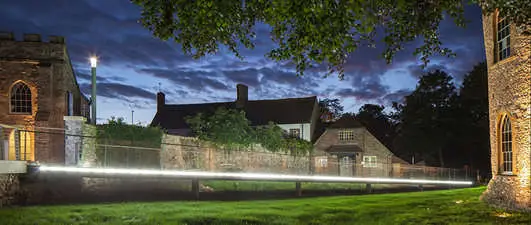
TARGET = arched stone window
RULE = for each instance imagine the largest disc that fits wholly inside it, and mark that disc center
(20, 99)
(506, 145)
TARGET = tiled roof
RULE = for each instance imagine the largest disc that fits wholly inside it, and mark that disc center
(345, 122)
(259, 112)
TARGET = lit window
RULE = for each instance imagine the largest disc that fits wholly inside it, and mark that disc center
(506, 145)
(503, 39)
(369, 161)
(295, 133)
(346, 135)
(20, 99)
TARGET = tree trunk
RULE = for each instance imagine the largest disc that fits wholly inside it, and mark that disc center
(441, 159)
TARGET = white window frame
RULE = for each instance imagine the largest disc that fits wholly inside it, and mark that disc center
(295, 132)
(503, 39)
(370, 161)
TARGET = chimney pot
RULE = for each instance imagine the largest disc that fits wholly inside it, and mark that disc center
(242, 94)
(161, 101)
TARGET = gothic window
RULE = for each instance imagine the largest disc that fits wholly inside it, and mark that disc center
(503, 39)
(506, 146)
(20, 99)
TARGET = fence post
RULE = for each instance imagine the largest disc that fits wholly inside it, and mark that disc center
(368, 188)
(298, 189)
(195, 188)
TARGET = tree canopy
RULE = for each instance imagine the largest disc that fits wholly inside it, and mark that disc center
(229, 129)
(312, 32)
(330, 109)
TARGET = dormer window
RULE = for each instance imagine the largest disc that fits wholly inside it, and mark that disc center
(346, 135)
(503, 39)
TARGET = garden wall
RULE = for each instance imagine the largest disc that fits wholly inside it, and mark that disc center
(191, 154)
(9, 189)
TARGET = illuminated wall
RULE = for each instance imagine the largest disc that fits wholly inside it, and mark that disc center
(509, 96)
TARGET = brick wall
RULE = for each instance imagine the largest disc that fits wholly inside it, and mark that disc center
(188, 153)
(510, 94)
(45, 67)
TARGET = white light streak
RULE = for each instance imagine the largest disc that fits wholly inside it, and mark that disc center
(244, 176)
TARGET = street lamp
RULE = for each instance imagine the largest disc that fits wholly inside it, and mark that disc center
(93, 64)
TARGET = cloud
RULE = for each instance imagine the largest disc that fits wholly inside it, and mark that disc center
(118, 91)
(397, 96)
(196, 80)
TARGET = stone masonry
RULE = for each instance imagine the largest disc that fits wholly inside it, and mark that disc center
(509, 95)
(189, 153)
(46, 68)
(366, 141)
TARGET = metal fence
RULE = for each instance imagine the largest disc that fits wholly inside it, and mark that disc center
(49, 145)
(195, 157)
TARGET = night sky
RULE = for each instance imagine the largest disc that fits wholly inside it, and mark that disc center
(133, 63)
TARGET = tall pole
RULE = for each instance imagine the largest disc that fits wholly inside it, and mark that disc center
(132, 122)
(93, 64)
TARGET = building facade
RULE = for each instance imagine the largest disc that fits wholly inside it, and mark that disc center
(297, 116)
(508, 53)
(37, 89)
(347, 148)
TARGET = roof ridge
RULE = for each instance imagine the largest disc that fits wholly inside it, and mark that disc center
(283, 99)
(205, 103)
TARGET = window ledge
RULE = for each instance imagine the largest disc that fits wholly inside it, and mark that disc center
(507, 174)
(504, 61)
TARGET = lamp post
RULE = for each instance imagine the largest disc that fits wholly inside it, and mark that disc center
(93, 64)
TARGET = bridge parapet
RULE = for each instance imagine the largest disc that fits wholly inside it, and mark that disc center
(12, 167)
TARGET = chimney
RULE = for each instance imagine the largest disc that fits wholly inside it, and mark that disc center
(242, 94)
(161, 100)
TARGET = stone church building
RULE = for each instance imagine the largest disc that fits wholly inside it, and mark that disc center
(38, 89)
(508, 53)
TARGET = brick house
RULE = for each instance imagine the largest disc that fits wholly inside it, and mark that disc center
(347, 148)
(297, 116)
(508, 53)
(37, 89)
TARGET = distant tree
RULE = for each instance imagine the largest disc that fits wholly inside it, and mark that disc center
(426, 118)
(313, 32)
(379, 123)
(473, 114)
(330, 109)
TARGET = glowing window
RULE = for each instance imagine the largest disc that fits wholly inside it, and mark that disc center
(369, 161)
(506, 145)
(346, 135)
(20, 99)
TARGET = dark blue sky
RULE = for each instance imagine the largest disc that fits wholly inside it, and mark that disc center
(133, 63)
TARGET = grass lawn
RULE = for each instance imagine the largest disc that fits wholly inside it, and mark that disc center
(435, 207)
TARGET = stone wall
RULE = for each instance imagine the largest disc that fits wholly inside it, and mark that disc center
(189, 153)
(45, 67)
(9, 189)
(509, 94)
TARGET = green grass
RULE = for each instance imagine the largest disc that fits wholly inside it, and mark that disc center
(434, 207)
(221, 185)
